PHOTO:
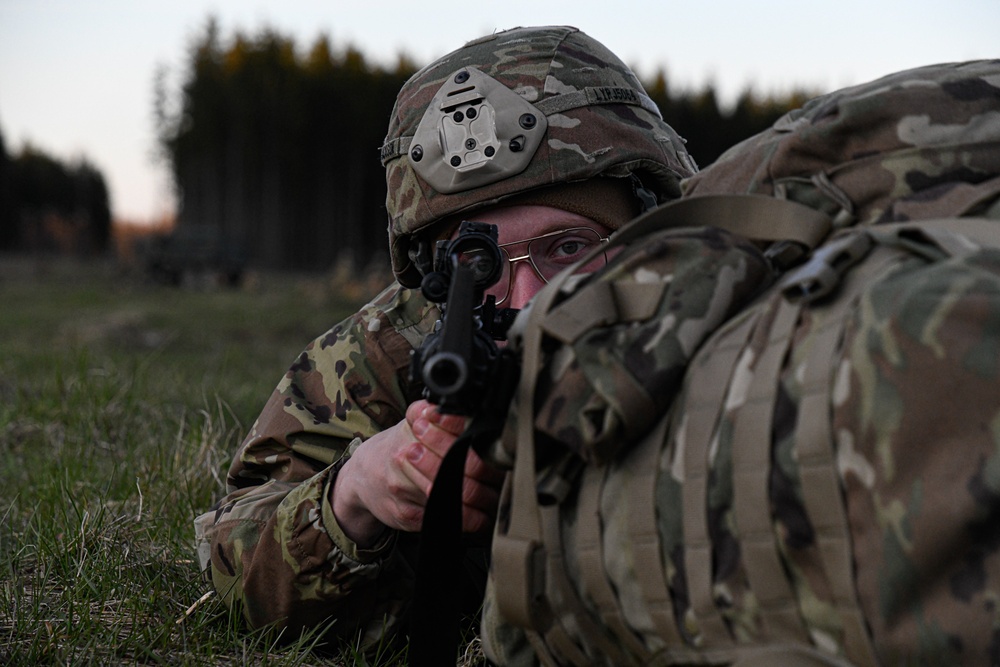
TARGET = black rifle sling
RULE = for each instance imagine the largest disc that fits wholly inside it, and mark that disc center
(435, 615)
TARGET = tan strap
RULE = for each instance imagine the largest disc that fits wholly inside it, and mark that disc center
(519, 555)
(751, 454)
(814, 447)
(591, 557)
(601, 304)
(755, 217)
(566, 603)
(642, 468)
(519, 563)
(706, 385)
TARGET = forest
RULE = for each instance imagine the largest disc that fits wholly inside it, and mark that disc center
(274, 148)
(49, 206)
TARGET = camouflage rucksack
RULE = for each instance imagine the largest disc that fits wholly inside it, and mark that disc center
(768, 432)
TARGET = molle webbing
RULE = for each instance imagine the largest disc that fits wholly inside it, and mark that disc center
(814, 441)
(642, 470)
(751, 454)
(590, 553)
(772, 325)
(814, 447)
(887, 245)
(699, 420)
(560, 591)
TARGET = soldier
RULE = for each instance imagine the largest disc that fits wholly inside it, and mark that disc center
(540, 131)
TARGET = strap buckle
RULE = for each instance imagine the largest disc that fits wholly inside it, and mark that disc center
(822, 273)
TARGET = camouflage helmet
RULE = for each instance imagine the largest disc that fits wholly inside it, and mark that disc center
(511, 113)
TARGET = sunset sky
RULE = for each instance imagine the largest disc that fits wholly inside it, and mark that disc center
(76, 76)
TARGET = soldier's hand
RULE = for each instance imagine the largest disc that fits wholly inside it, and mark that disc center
(435, 433)
(387, 480)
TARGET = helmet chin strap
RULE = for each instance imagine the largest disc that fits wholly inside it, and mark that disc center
(421, 254)
(647, 200)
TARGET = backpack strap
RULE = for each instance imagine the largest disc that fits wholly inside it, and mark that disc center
(700, 417)
(563, 595)
(518, 553)
(590, 552)
(755, 217)
(642, 468)
(751, 460)
(814, 447)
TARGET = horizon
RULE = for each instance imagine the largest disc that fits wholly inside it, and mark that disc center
(88, 91)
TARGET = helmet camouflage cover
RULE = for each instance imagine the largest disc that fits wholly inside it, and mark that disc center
(512, 112)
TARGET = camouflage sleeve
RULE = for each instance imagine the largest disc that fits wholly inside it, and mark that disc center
(272, 543)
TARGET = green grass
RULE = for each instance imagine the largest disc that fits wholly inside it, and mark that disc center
(121, 405)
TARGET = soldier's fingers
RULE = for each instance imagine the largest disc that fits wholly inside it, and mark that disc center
(432, 436)
(479, 496)
(454, 424)
(415, 409)
(419, 464)
(478, 469)
(405, 483)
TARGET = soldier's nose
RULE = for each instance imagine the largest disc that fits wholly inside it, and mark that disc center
(524, 284)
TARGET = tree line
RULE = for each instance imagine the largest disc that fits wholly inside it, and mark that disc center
(274, 149)
(278, 148)
(47, 205)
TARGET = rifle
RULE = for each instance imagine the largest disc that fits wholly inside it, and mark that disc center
(458, 359)
(464, 372)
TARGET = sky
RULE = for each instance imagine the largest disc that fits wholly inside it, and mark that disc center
(76, 76)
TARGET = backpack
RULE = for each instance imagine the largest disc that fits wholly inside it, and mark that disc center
(768, 431)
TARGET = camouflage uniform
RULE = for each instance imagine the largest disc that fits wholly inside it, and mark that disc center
(895, 380)
(272, 543)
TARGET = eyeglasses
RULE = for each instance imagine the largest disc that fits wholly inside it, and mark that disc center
(550, 253)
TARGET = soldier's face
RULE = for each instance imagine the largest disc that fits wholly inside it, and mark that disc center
(519, 225)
